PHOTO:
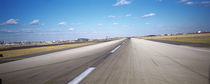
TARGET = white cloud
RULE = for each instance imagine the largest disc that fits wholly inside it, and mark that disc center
(17, 31)
(149, 15)
(128, 15)
(115, 23)
(147, 23)
(189, 3)
(99, 24)
(205, 2)
(81, 32)
(62, 23)
(71, 29)
(122, 2)
(183, 0)
(10, 21)
(34, 22)
(111, 16)
(8, 31)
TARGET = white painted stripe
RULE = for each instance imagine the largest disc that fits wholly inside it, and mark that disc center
(115, 49)
(79, 78)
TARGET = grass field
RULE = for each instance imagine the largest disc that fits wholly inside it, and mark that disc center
(203, 38)
(28, 51)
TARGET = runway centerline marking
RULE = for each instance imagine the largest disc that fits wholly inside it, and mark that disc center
(84, 74)
(115, 49)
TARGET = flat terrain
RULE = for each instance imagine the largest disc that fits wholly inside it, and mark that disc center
(202, 38)
(137, 61)
(29, 51)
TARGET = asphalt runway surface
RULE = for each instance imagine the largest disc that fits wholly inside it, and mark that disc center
(126, 61)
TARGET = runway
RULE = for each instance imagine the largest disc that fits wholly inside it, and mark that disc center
(136, 61)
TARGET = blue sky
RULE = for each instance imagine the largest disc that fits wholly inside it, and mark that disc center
(47, 20)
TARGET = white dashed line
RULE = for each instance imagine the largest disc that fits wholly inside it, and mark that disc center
(115, 49)
(79, 78)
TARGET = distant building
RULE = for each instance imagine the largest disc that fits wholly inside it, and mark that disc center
(151, 35)
(167, 34)
(179, 34)
(82, 39)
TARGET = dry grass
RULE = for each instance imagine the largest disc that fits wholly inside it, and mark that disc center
(203, 38)
(28, 51)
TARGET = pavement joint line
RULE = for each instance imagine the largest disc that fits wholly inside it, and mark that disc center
(115, 49)
(198, 49)
(84, 74)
